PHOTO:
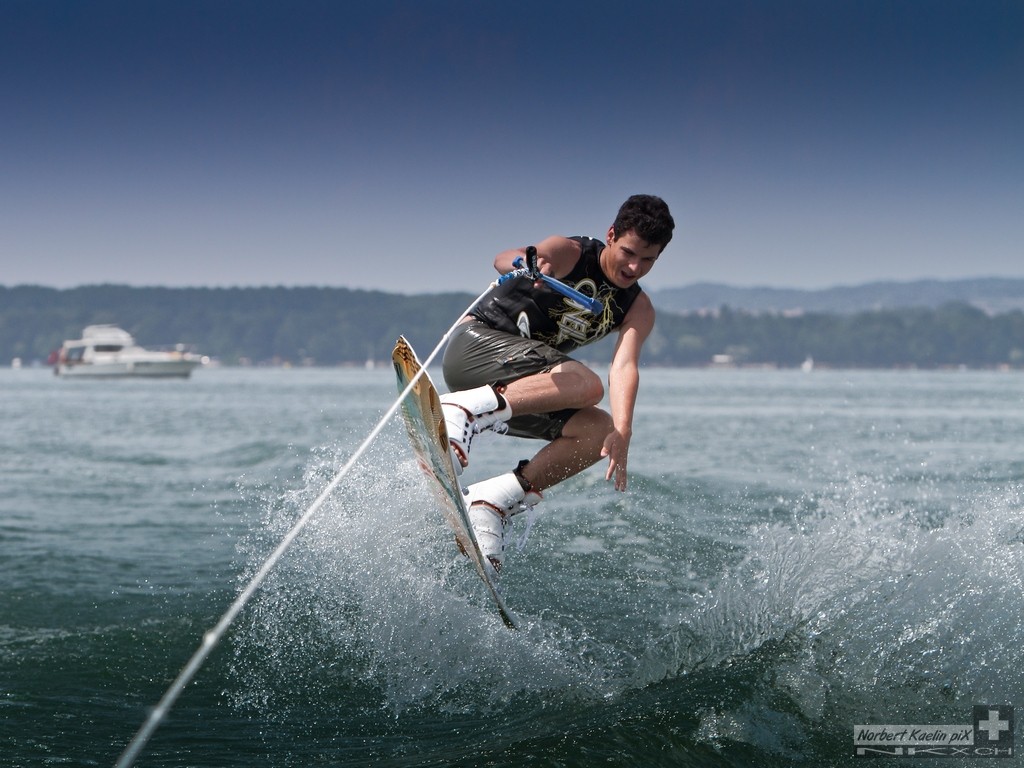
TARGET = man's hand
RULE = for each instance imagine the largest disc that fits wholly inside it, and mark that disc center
(616, 449)
(531, 262)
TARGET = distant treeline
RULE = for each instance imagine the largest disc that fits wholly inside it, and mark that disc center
(951, 335)
(992, 294)
(337, 326)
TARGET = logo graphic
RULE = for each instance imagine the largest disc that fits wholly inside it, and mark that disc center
(993, 726)
(988, 734)
(523, 324)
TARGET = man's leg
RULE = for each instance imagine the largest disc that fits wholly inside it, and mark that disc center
(493, 502)
(568, 385)
(578, 447)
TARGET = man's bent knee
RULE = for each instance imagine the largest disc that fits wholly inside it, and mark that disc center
(593, 422)
(588, 385)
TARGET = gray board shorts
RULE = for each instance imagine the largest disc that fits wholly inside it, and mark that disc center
(478, 354)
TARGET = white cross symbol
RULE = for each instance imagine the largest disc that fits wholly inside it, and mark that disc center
(993, 724)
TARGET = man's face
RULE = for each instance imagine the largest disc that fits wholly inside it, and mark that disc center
(627, 258)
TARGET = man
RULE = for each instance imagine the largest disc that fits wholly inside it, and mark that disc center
(508, 367)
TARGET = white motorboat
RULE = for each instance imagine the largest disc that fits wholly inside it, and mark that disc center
(108, 351)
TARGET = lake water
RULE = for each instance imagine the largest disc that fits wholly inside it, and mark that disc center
(797, 554)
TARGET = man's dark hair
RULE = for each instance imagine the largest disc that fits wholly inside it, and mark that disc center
(648, 216)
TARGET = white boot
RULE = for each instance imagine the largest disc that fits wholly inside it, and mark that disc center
(465, 414)
(491, 504)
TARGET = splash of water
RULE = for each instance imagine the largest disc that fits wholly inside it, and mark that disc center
(861, 613)
(376, 584)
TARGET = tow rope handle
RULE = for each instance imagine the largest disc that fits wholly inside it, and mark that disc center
(528, 268)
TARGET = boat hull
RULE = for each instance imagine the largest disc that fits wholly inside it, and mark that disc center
(172, 369)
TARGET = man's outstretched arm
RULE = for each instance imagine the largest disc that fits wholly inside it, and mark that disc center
(623, 386)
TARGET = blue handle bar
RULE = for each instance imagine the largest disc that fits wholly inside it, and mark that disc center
(594, 306)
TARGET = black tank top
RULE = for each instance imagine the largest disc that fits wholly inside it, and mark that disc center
(539, 312)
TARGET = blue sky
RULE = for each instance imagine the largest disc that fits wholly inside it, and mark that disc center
(400, 145)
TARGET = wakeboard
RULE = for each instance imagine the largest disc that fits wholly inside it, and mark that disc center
(424, 421)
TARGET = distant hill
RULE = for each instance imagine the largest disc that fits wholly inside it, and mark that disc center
(992, 295)
(976, 323)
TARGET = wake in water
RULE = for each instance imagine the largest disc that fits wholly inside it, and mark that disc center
(856, 614)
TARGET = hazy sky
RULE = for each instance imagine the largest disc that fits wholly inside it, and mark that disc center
(400, 145)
